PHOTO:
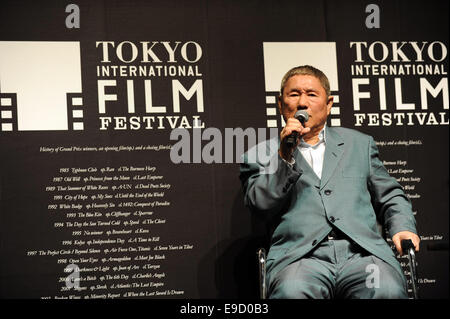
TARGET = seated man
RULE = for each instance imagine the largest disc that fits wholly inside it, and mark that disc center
(326, 192)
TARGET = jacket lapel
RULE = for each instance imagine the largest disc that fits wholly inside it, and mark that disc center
(333, 152)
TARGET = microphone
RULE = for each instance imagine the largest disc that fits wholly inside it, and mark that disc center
(303, 117)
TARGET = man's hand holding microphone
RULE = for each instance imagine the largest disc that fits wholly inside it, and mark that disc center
(291, 134)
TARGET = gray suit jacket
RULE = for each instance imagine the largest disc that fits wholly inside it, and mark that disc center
(354, 192)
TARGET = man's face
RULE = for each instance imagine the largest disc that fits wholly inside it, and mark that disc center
(304, 92)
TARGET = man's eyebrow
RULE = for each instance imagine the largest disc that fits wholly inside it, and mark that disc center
(306, 90)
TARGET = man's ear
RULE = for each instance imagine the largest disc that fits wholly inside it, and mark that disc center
(329, 104)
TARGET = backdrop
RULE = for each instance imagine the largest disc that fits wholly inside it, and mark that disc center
(122, 123)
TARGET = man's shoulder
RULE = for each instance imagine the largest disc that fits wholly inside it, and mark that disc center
(349, 133)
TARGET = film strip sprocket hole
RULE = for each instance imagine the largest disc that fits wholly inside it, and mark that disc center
(8, 112)
(75, 111)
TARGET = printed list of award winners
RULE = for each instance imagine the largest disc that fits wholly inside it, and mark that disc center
(111, 223)
(411, 180)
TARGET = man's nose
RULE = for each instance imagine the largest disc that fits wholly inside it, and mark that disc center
(302, 102)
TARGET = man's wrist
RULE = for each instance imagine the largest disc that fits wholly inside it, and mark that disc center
(288, 159)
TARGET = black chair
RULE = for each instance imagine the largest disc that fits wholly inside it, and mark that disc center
(261, 253)
(407, 246)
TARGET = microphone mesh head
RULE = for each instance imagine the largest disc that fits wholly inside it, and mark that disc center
(302, 116)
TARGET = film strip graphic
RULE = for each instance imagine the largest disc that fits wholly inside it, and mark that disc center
(8, 112)
(274, 119)
(75, 112)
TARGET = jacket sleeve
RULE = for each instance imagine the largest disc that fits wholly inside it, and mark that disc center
(267, 184)
(388, 198)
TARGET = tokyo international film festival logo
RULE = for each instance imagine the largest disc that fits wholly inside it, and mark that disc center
(279, 57)
(40, 86)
